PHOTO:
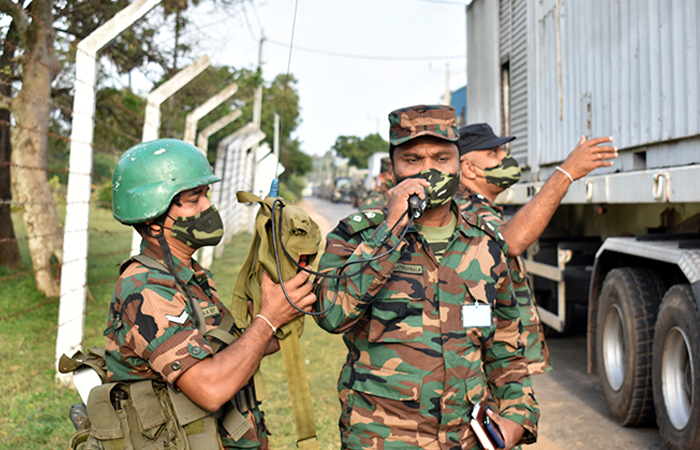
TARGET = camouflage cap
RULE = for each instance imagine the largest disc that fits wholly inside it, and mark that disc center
(422, 120)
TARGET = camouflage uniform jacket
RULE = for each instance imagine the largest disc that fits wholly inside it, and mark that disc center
(536, 350)
(151, 334)
(413, 373)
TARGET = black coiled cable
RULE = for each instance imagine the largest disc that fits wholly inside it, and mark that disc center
(324, 275)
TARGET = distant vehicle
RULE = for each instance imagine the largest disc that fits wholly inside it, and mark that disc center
(342, 190)
(308, 191)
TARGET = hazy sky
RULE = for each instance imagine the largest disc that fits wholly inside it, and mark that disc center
(410, 43)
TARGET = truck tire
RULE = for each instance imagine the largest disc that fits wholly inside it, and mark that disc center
(676, 372)
(627, 308)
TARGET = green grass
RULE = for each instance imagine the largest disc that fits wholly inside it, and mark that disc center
(35, 408)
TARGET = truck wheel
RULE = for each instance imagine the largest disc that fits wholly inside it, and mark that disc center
(677, 369)
(627, 307)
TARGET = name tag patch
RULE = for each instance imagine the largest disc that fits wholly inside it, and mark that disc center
(211, 311)
(413, 269)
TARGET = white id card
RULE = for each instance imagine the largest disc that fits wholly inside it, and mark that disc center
(476, 315)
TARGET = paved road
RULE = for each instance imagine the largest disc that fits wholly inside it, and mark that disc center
(574, 415)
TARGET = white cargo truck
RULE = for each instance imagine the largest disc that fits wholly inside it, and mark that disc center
(624, 246)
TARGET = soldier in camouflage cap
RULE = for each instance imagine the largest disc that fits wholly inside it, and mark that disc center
(482, 151)
(487, 169)
(418, 359)
(168, 330)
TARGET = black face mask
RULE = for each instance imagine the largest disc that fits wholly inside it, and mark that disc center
(202, 229)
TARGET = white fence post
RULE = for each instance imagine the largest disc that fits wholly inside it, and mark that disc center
(224, 168)
(151, 122)
(203, 137)
(71, 314)
(199, 112)
(202, 144)
(267, 169)
(204, 109)
(257, 118)
(232, 149)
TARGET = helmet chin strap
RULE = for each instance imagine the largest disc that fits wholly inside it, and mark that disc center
(168, 259)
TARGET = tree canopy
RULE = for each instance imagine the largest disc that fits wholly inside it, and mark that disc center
(358, 150)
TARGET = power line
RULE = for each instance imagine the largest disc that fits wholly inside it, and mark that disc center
(446, 2)
(247, 22)
(370, 57)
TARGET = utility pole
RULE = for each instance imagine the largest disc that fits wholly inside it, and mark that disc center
(448, 94)
(260, 49)
(447, 99)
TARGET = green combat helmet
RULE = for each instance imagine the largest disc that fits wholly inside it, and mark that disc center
(150, 174)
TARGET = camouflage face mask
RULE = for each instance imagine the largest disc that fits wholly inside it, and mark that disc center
(505, 174)
(200, 230)
(443, 185)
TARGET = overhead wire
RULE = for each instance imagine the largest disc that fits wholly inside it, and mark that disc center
(247, 22)
(367, 57)
(447, 2)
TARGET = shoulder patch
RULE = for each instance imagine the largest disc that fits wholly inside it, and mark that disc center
(478, 221)
(363, 220)
(471, 218)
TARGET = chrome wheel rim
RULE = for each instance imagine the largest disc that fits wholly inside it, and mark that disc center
(677, 378)
(614, 347)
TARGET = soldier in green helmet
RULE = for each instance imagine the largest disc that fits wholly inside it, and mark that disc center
(486, 170)
(431, 325)
(180, 371)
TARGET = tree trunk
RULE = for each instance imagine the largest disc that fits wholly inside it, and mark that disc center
(9, 249)
(30, 141)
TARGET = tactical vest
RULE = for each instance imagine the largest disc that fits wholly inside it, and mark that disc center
(150, 414)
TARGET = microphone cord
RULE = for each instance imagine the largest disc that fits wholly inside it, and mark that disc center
(340, 274)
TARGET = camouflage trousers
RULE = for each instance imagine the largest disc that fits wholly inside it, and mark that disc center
(369, 421)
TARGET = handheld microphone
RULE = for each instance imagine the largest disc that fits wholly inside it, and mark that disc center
(416, 206)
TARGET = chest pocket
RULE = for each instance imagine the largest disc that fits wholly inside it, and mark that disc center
(474, 294)
(396, 318)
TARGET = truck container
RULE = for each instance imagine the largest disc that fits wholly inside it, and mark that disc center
(624, 246)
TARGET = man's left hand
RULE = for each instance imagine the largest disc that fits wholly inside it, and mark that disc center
(589, 155)
(511, 431)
